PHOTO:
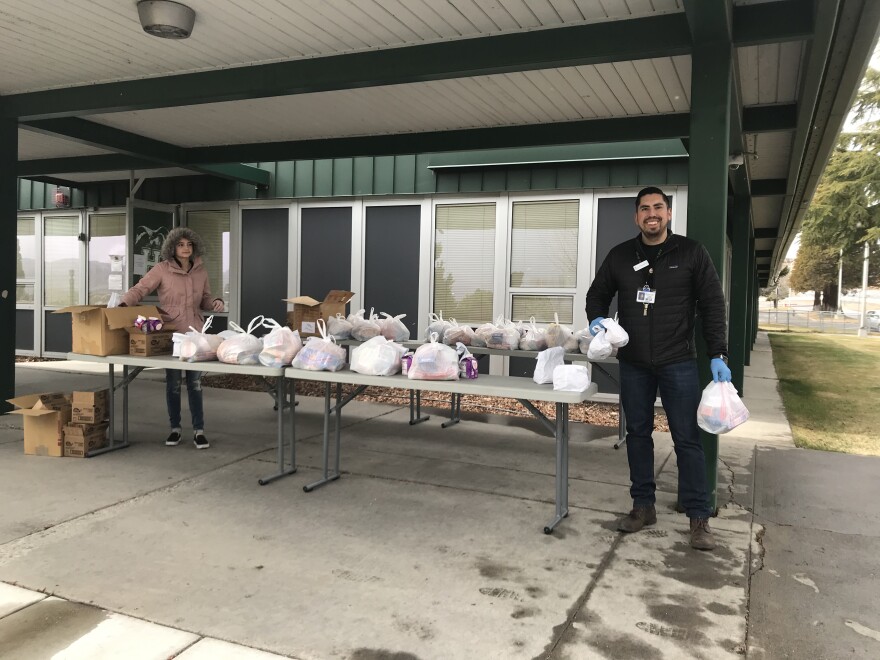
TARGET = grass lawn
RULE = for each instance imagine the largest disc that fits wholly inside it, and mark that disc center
(831, 390)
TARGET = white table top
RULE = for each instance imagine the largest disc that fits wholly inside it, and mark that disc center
(503, 386)
(169, 362)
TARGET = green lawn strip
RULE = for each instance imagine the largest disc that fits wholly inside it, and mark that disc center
(830, 388)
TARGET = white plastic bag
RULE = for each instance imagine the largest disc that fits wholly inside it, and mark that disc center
(195, 345)
(280, 346)
(434, 361)
(583, 339)
(458, 334)
(377, 357)
(339, 327)
(600, 347)
(534, 338)
(243, 348)
(437, 326)
(392, 328)
(479, 334)
(557, 335)
(503, 334)
(721, 410)
(320, 353)
(548, 360)
(571, 378)
(615, 334)
(363, 329)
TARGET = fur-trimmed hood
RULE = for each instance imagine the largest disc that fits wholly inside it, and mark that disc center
(170, 243)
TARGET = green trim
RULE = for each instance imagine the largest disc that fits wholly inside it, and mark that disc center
(773, 22)
(8, 258)
(769, 188)
(765, 232)
(762, 254)
(770, 118)
(742, 263)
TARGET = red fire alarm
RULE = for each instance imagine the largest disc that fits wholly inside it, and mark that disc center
(62, 199)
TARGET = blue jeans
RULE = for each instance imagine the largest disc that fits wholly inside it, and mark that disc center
(194, 392)
(679, 386)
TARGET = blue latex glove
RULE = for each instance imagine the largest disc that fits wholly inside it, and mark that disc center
(720, 371)
(596, 325)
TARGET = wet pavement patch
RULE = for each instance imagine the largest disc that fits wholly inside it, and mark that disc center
(67, 622)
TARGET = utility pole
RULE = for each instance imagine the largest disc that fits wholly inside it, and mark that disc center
(840, 284)
(863, 327)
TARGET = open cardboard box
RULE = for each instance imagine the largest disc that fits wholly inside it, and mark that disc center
(102, 331)
(45, 416)
(307, 311)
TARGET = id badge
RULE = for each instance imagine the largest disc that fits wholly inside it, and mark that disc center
(646, 296)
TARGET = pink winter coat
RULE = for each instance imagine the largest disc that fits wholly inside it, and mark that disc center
(182, 296)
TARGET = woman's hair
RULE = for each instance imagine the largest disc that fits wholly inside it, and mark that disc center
(174, 236)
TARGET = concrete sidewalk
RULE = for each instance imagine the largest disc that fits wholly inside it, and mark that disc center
(430, 544)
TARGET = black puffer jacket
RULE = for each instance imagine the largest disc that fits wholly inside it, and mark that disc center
(686, 282)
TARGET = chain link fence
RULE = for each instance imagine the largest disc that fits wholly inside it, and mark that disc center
(803, 321)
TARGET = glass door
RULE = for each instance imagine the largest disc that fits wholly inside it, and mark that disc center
(148, 225)
(27, 257)
(63, 276)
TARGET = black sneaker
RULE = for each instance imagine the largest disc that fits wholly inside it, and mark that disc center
(172, 440)
(200, 441)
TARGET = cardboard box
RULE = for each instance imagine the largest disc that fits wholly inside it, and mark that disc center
(45, 416)
(79, 439)
(101, 331)
(90, 407)
(146, 344)
(307, 311)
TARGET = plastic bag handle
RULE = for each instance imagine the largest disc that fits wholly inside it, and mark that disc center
(556, 318)
(207, 325)
(272, 324)
(434, 337)
(255, 323)
(235, 327)
(322, 329)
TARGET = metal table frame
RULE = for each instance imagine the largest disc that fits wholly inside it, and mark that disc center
(523, 390)
(133, 365)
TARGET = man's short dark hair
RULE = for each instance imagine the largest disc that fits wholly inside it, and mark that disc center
(653, 190)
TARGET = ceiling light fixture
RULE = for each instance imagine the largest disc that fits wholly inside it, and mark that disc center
(166, 19)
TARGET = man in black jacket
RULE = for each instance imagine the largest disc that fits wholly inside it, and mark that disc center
(663, 280)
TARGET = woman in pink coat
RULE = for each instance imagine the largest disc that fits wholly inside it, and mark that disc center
(184, 293)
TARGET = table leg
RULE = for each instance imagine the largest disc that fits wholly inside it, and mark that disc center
(415, 408)
(561, 466)
(621, 427)
(326, 476)
(111, 395)
(454, 411)
(281, 387)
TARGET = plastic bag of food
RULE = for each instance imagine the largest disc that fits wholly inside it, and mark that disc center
(721, 410)
(600, 347)
(243, 348)
(479, 332)
(392, 328)
(195, 345)
(583, 339)
(468, 367)
(320, 353)
(437, 326)
(339, 327)
(458, 334)
(377, 357)
(434, 361)
(534, 338)
(363, 329)
(548, 360)
(571, 378)
(280, 345)
(502, 334)
(616, 335)
(557, 335)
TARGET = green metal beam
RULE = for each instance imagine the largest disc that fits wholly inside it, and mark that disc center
(765, 232)
(789, 20)
(769, 188)
(8, 258)
(741, 265)
(613, 41)
(104, 163)
(138, 146)
(761, 254)
(55, 181)
(770, 118)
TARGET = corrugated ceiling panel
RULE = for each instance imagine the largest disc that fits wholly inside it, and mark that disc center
(766, 210)
(773, 151)
(36, 145)
(94, 41)
(770, 73)
(568, 94)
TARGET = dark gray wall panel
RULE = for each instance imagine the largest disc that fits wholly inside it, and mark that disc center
(325, 251)
(264, 251)
(24, 329)
(391, 263)
(56, 330)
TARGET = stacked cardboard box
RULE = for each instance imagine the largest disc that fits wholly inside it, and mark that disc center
(45, 416)
(307, 311)
(147, 344)
(88, 428)
(102, 331)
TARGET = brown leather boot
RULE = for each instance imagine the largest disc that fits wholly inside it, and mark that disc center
(638, 518)
(701, 535)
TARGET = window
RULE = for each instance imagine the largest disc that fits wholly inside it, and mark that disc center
(61, 260)
(213, 227)
(464, 261)
(106, 240)
(25, 261)
(543, 259)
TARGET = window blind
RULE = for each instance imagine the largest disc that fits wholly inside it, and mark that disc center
(523, 307)
(543, 244)
(464, 261)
